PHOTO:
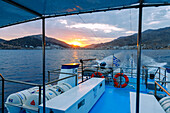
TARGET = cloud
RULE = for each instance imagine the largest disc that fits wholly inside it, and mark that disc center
(130, 32)
(96, 27)
(153, 22)
(63, 21)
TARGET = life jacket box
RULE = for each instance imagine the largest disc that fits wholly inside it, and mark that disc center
(79, 99)
(69, 68)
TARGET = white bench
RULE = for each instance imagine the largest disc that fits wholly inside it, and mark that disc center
(148, 104)
(79, 99)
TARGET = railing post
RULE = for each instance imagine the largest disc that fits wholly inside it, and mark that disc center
(121, 74)
(159, 73)
(155, 88)
(146, 78)
(48, 76)
(39, 94)
(82, 72)
(165, 76)
(142, 73)
(2, 92)
(76, 80)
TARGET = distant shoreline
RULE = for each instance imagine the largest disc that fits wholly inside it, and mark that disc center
(88, 49)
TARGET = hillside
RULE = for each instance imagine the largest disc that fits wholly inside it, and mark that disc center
(2, 40)
(151, 39)
(31, 42)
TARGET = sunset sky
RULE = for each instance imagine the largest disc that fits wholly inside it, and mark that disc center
(92, 28)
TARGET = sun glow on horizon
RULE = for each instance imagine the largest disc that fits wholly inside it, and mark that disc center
(75, 43)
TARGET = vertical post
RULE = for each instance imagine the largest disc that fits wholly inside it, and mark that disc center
(139, 57)
(131, 66)
(39, 94)
(159, 73)
(43, 46)
(146, 78)
(142, 73)
(2, 93)
(81, 61)
(155, 88)
(48, 76)
(121, 74)
(165, 76)
(75, 80)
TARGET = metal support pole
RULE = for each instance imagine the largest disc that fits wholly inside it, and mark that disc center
(43, 46)
(146, 79)
(159, 73)
(76, 80)
(39, 94)
(139, 57)
(155, 88)
(82, 72)
(48, 76)
(142, 74)
(165, 77)
(2, 92)
(121, 74)
(131, 66)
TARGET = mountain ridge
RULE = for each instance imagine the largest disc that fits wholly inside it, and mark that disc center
(151, 39)
(33, 41)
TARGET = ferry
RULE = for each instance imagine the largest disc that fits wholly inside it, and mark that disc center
(99, 88)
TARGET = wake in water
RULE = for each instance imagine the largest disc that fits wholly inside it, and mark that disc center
(129, 60)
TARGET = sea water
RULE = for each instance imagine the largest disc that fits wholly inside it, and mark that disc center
(26, 65)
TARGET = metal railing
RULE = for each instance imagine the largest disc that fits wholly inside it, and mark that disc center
(156, 83)
(19, 82)
(160, 72)
(31, 84)
(52, 71)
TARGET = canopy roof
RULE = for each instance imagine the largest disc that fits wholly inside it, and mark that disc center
(19, 11)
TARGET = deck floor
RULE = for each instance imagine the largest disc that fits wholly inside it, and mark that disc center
(114, 100)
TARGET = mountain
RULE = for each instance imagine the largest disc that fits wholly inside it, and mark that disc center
(2, 40)
(151, 39)
(34, 41)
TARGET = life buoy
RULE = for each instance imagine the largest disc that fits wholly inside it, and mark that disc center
(95, 74)
(117, 84)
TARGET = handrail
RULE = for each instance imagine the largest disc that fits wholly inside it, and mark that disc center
(156, 83)
(21, 82)
(56, 71)
(154, 67)
(63, 79)
(32, 84)
(162, 74)
(87, 59)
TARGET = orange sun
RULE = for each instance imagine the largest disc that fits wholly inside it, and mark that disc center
(75, 43)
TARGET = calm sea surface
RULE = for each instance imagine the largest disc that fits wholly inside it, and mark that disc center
(26, 65)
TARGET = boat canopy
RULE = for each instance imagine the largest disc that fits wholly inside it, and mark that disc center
(18, 11)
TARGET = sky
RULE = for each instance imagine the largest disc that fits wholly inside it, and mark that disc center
(93, 28)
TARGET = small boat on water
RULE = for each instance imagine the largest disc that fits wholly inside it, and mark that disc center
(108, 89)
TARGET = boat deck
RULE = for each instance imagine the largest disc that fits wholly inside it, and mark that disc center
(113, 99)
(118, 99)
